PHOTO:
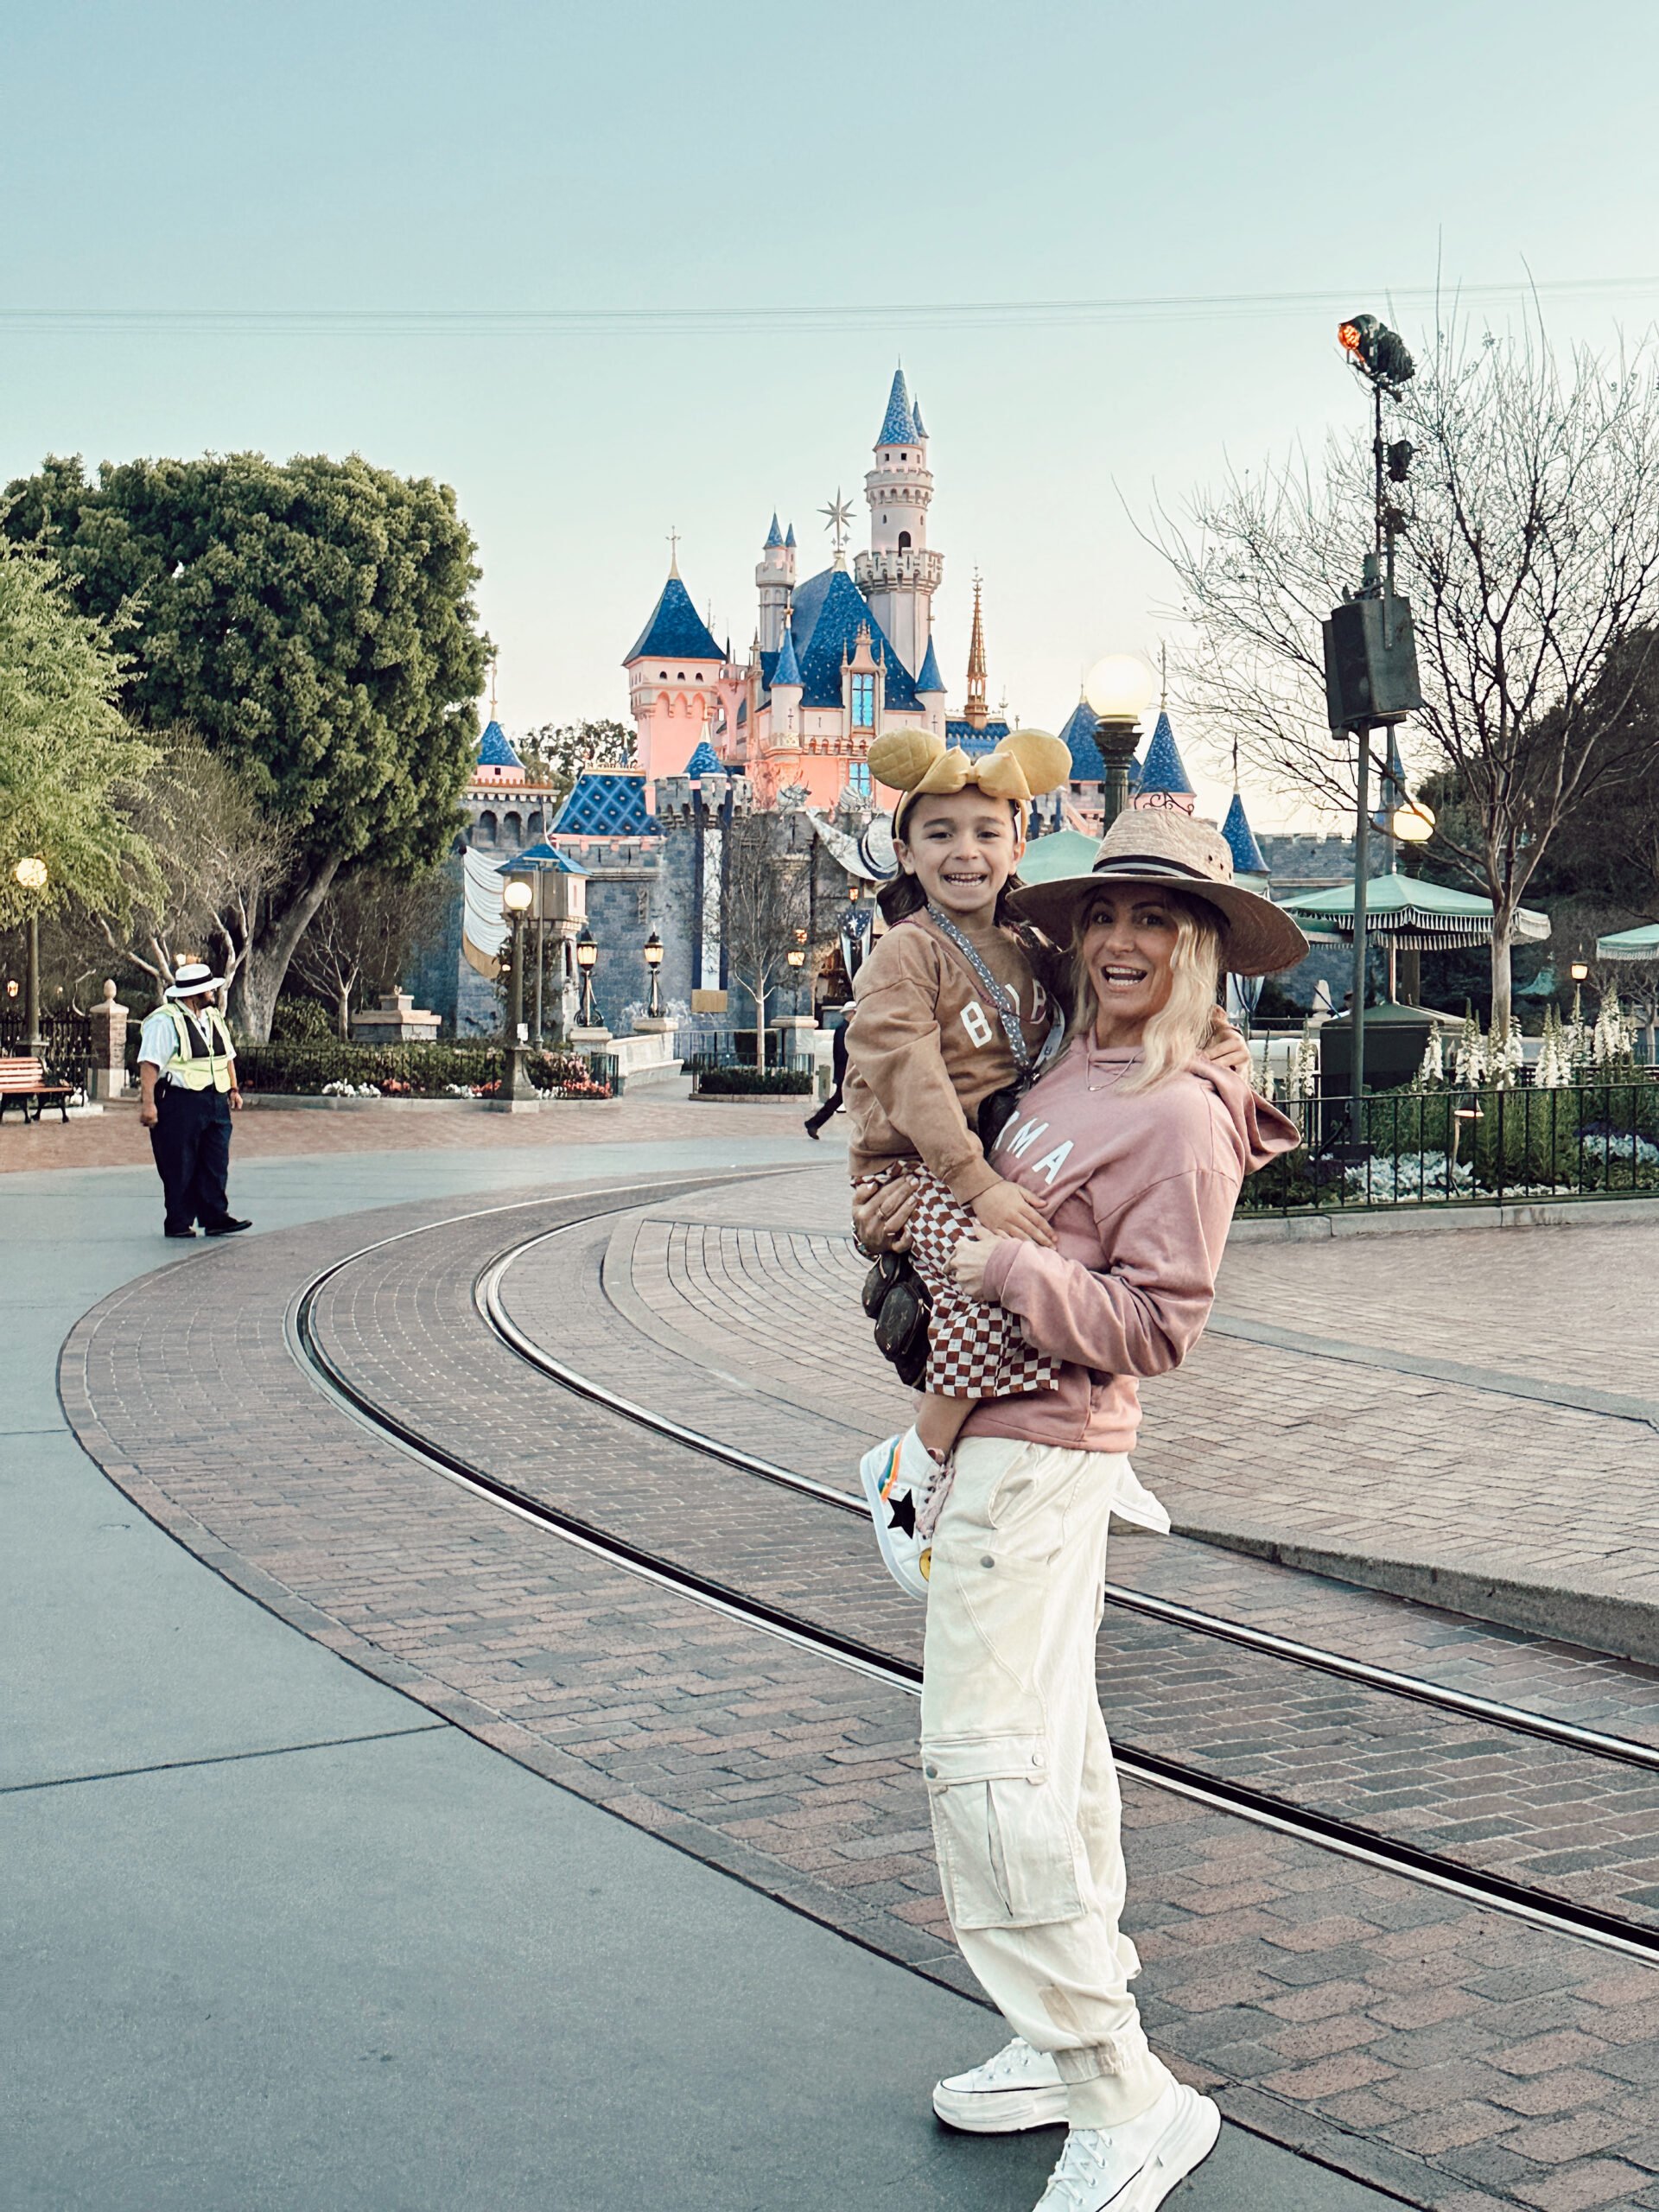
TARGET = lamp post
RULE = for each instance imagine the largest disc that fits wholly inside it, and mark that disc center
(1119, 688)
(1579, 972)
(30, 874)
(587, 961)
(796, 958)
(654, 963)
(515, 895)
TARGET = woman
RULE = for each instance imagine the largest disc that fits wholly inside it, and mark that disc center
(1136, 1149)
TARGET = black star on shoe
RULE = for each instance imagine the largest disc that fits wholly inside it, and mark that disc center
(901, 1513)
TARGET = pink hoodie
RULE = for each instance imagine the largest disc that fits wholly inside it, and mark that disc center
(1140, 1192)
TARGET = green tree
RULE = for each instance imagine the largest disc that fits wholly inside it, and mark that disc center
(66, 756)
(313, 620)
(558, 753)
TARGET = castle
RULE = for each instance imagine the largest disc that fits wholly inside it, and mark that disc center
(836, 660)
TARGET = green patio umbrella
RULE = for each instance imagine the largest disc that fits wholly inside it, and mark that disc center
(1408, 915)
(1062, 852)
(1630, 944)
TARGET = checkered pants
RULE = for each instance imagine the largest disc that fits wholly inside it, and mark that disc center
(974, 1351)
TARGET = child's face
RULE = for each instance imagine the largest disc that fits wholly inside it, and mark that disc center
(962, 847)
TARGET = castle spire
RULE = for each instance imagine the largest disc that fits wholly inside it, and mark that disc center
(975, 710)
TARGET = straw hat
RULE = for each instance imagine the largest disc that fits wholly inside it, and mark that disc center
(1027, 763)
(193, 977)
(1168, 850)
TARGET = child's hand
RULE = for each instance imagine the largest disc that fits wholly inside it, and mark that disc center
(1007, 1210)
(970, 1260)
(1225, 1046)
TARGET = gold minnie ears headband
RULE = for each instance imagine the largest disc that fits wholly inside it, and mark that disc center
(1027, 763)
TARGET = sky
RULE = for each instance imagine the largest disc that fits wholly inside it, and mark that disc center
(759, 210)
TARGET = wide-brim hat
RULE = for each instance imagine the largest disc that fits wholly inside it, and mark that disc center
(1165, 849)
(193, 977)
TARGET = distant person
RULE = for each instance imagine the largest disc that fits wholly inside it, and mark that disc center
(838, 1069)
(187, 1075)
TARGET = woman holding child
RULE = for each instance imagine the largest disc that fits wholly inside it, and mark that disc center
(1110, 1188)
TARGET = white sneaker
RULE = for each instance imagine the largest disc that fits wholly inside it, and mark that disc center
(1133, 2168)
(897, 1477)
(1019, 2089)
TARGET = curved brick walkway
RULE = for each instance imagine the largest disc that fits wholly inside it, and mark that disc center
(1542, 1515)
(1446, 2053)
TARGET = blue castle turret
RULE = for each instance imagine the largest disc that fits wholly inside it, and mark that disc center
(1248, 858)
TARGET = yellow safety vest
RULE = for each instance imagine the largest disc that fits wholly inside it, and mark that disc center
(192, 1066)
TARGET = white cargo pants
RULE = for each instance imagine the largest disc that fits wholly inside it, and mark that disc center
(1019, 1774)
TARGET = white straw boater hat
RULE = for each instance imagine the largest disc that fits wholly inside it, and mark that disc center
(1168, 850)
(195, 975)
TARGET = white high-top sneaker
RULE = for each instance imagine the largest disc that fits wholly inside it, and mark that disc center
(1019, 2089)
(1133, 2168)
(897, 1477)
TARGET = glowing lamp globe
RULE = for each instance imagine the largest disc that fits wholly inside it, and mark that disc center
(516, 895)
(30, 873)
(1120, 688)
(1412, 824)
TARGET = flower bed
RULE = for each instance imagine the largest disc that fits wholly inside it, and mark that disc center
(332, 1070)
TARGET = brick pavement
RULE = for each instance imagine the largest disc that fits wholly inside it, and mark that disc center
(655, 1115)
(1537, 1514)
(1446, 2053)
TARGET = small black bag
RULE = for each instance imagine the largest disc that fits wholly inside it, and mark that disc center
(902, 1327)
(888, 1268)
(996, 1110)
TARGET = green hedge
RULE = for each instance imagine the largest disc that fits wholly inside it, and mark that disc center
(406, 1071)
(750, 1083)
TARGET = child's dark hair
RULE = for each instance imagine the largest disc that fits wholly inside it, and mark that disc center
(905, 896)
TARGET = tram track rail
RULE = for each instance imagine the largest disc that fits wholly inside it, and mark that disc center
(1544, 1910)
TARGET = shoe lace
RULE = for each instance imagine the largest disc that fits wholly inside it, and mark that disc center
(1012, 2058)
(1083, 2164)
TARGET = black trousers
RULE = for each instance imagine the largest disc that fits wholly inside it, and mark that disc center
(191, 1144)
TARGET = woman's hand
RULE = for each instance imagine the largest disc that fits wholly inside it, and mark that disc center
(1007, 1210)
(882, 1213)
(1225, 1046)
(970, 1260)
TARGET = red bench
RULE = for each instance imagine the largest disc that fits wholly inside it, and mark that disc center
(29, 1084)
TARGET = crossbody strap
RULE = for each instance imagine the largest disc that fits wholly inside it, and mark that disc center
(1006, 1005)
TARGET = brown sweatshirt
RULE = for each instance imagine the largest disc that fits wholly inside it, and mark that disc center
(1140, 1191)
(924, 1049)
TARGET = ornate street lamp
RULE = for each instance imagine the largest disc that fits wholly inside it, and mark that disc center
(587, 961)
(515, 895)
(654, 962)
(796, 958)
(30, 874)
(1119, 688)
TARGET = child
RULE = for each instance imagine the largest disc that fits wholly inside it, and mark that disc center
(948, 1008)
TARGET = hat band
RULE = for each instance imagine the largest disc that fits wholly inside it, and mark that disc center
(1138, 868)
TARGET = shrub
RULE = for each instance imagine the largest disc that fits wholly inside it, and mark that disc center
(750, 1083)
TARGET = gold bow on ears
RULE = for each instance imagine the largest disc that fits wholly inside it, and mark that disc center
(1027, 763)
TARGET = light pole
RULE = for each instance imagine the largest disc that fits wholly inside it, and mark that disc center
(30, 874)
(515, 895)
(654, 963)
(1119, 688)
(1579, 972)
(587, 961)
(796, 958)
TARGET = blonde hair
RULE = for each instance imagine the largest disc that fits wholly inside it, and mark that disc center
(1176, 1033)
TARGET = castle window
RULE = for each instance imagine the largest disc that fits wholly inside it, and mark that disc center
(904, 541)
(858, 778)
(863, 702)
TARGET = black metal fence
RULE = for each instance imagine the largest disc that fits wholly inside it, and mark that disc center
(67, 1040)
(1596, 1139)
(699, 1046)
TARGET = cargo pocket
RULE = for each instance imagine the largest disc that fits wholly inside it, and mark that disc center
(1009, 1851)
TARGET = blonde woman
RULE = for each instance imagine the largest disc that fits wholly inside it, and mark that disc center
(1136, 1148)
